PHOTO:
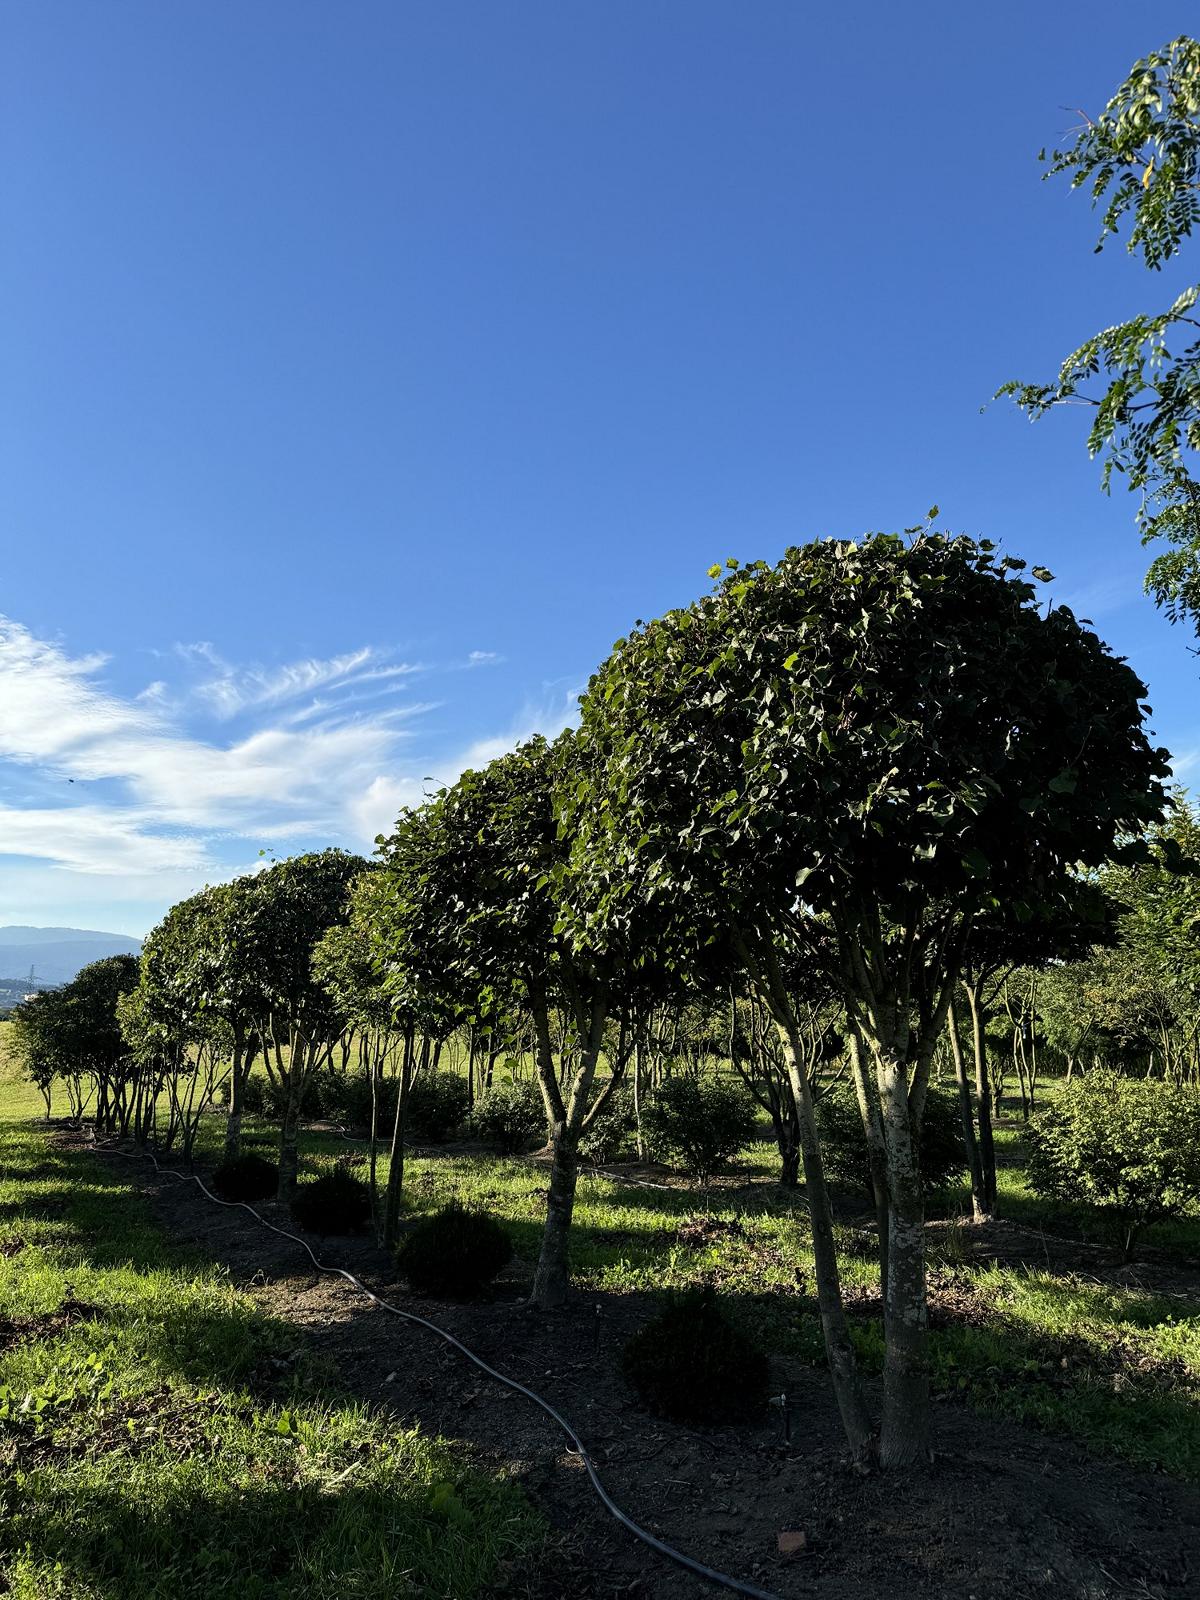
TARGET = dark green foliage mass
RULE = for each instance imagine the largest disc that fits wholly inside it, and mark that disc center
(1130, 1146)
(690, 1363)
(337, 1202)
(246, 1178)
(454, 1254)
(611, 1131)
(510, 1117)
(437, 1107)
(942, 1154)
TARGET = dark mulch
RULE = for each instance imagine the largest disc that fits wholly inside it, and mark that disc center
(1004, 1513)
(48, 1324)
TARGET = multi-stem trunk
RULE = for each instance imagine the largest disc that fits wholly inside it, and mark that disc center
(967, 1118)
(395, 1182)
(552, 1278)
(983, 1100)
(375, 1061)
(289, 1132)
(867, 1094)
(239, 1071)
(566, 1118)
(839, 1347)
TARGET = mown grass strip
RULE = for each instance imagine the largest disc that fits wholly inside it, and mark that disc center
(160, 1438)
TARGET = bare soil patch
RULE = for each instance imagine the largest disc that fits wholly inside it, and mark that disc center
(48, 1324)
(1004, 1513)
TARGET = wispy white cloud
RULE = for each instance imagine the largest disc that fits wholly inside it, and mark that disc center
(232, 691)
(56, 716)
(556, 710)
(97, 839)
(161, 802)
(1102, 596)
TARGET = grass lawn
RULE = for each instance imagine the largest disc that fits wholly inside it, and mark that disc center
(1115, 1366)
(159, 1437)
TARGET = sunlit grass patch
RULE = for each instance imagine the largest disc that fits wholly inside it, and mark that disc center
(161, 1437)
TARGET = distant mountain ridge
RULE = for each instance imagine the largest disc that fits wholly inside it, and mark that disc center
(56, 954)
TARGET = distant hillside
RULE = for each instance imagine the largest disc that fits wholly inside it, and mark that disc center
(56, 954)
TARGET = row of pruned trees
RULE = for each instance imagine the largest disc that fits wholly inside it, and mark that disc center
(882, 766)
(839, 794)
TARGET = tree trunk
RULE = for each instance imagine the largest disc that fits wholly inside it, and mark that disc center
(289, 1132)
(395, 1183)
(637, 1099)
(788, 1139)
(967, 1115)
(237, 1085)
(566, 1118)
(904, 1434)
(552, 1278)
(983, 1101)
(839, 1347)
(872, 1121)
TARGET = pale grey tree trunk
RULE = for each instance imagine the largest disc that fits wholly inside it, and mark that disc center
(238, 1072)
(551, 1280)
(904, 1433)
(289, 1132)
(867, 1094)
(839, 1347)
(395, 1183)
(983, 1101)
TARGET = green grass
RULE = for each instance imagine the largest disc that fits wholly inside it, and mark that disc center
(160, 1437)
(1115, 1368)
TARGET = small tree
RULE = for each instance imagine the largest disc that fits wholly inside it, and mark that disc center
(302, 899)
(866, 747)
(469, 912)
(37, 1043)
(1130, 1146)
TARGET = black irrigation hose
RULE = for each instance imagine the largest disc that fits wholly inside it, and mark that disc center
(689, 1563)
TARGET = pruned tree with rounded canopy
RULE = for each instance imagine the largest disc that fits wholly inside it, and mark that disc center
(468, 905)
(883, 740)
(301, 899)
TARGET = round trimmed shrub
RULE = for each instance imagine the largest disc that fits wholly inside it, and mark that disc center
(263, 1098)
(1128, 1146)
(254, 1097)
(454, 1254)
(336, 1202)
(437, 1106)
(690, 1363)
(699, 1124)
(943, 1155)
(247, 1178)
(510, 1116)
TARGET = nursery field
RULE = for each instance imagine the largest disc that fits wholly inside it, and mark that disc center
(188, 1407)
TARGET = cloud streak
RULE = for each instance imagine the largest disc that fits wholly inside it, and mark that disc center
(182, 784)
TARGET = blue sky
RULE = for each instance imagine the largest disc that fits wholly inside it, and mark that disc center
(370, 368)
